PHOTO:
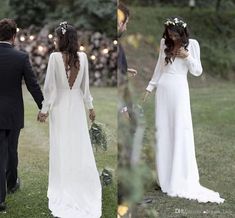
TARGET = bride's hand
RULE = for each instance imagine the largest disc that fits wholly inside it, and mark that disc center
(145, 96)
(42, 117)
(182, 53)
(92, 115)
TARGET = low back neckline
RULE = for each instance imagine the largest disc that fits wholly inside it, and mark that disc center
(68, 77)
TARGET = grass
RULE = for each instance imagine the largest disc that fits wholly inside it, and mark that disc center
(31, 200)
(214, 123)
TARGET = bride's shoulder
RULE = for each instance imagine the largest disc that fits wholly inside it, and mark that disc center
(193, 42)
(162, 41)
(82, 54)
(54, 54)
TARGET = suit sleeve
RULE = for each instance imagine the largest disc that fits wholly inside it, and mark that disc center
(31, 83)
(158, 69)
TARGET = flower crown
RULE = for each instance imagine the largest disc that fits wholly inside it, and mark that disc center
(64, 26)
(176, 21)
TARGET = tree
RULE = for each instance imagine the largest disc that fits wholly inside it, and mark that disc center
(27, 12)
(98, 15)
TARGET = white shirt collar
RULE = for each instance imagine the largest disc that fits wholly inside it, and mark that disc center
(5, 42)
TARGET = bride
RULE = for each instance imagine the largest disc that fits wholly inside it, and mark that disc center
(175, 152)
(74, 189)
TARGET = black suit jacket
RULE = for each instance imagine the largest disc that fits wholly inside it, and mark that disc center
(122, 62)
(14, 66)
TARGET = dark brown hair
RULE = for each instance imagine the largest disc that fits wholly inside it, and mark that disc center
(68, 45)
(125, 10)
(7, 29)
(184, 38)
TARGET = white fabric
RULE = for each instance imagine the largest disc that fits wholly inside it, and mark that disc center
(175, 151)
(6, 42)
(74, 189)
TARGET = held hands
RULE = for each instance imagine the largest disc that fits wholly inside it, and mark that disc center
(182, 53)
(42, 117)
(92, 115)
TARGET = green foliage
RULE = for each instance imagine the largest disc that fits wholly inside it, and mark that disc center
(98, 13)
(216, 4)
(29, 12)
(4, 9)
(95, 15)
(135, 181)
(98, 136)
(106, 177)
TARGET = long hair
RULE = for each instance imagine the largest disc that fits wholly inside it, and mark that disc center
(68, 45)
(183, 33)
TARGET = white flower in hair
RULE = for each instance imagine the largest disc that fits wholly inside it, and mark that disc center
(176, 20)
(169, 22)
(63, 26)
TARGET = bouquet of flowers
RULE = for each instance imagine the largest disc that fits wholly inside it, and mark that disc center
(98, 136)
(106, 177)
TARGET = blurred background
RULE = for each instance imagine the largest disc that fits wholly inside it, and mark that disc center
(95, 21)
(212, 23)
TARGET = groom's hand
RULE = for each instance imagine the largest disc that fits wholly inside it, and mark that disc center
(42, 117)
(132, 72)
(125, 113)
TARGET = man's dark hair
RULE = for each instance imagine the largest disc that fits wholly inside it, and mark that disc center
(125, 10)
(7, 29)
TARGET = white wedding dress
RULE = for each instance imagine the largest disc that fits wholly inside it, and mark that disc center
(175, 151)
(74, 189)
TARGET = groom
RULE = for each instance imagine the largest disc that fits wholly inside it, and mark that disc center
(14, 65)
(127, 121)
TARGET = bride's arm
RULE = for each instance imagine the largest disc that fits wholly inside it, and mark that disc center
(49, 89)
(193, 60)
(158, 69)
(85, 85)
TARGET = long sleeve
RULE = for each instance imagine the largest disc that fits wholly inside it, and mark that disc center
(193, 60)
(158, 69)
(49, 88)
(85, 85)
(31, 83)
